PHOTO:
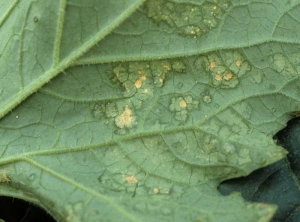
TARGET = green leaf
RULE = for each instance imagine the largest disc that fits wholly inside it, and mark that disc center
(39, 39)
(180, 97)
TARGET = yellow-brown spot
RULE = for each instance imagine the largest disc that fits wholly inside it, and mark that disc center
(131, 179)
(215, 7)
(161, 80)
(166, 66)
(140, 72)
(238, 63)
(138, 83)
(125, 119)
(212, 65)
(182, 103)
(228, 76)
(217, 77)
(156, 190)
(146, 91)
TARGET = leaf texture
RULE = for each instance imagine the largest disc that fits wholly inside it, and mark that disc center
(180, 97)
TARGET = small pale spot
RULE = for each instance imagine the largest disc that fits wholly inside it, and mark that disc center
(131, 179)
(146, 91)
(212, 65)
(166, 66)
(138, 83)
(215, 7)
(156, 190)
(217, 77)
(182, 103)
(238, 63)
(228, 76)
(17, 117)
(126, 87)
(161, 80)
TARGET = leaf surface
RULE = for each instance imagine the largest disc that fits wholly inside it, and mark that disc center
(148, 134)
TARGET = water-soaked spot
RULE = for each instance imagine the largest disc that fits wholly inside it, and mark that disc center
(281, 64)
(206, 96)
(178, 66)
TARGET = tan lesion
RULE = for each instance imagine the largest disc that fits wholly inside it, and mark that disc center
(139, 81)
(212, 65)
(155, 190)
(131, 179)
(228, 76)
(182, 103)
(125, 119)
(218, 77)
(238, 63)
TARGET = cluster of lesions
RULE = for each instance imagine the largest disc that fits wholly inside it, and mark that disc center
(138, 81)
(226, 70)
(189, 19)
(139, 77)
(181, 106)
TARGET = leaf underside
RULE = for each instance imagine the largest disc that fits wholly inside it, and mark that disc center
(156, 103)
